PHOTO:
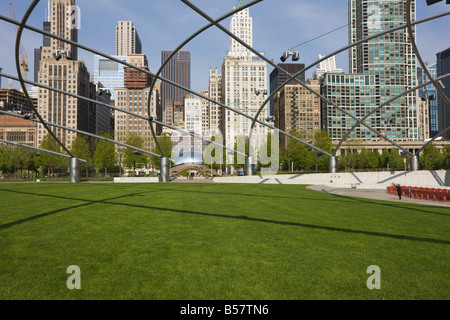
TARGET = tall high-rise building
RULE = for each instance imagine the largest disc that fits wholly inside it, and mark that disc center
(127, 39)
(391, 57)
(215, 93)
(296, 109)
(443, 67)
(60, 24)
(241, 25)
(244, 84)
(178, 70)
(64, 72)
(277, 78)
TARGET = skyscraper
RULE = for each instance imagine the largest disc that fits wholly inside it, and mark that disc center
(134, 97)
(127, 39)
(390, 56)
(277, 78)
(241, 26)
(244, 84)
(109, 73)
(60, 25)
(178, 70)
(59, 69)
(443, 67)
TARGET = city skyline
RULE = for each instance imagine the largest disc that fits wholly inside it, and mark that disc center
(290, 21)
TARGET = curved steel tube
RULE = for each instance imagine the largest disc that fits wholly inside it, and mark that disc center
(18, 39)
(425, 69)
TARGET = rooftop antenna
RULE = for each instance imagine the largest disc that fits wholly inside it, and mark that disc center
(48, 11)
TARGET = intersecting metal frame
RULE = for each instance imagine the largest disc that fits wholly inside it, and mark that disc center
(150, 119)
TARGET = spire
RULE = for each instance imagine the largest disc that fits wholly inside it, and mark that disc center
(240, 3)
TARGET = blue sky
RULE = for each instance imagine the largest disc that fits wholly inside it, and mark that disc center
(162, 24)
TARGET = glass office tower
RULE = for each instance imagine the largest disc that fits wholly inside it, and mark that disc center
(109, 73)
(390, 56)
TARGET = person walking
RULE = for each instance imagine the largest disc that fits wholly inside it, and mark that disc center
(399, 191)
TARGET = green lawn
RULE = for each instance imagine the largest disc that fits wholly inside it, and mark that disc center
(216, 241)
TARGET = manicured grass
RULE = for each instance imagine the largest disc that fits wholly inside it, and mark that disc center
(216, 241)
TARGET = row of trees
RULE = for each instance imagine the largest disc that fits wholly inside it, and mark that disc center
(100, 155)
(297, 156)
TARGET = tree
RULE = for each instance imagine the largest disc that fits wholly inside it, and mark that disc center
(432, 158)
(384, 158)
(5, 158)
(48, 161)
(82, 150)
(166, 145)
(297, 153)
(132, 158)
(373, 159)
(323, 141)
(105, 154)
(446, 157)
(395, 160)
(239, 160)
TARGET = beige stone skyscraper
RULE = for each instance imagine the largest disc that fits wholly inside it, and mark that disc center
(59, 69)
(127, 39)
(63, 18)
(244, 84)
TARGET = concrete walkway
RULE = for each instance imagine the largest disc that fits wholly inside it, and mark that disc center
(378, 194)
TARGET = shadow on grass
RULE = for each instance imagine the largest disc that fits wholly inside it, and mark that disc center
(215, 215)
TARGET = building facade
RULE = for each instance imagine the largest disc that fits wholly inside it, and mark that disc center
(110, 73)
(73, 77)
(136, 100)
(18, 130)
(296, 109)
(443, 67)
(215, 111)
(193, 114)
(277, 78)
(430, 94)
(178, 70)
(357, 94)
(14, 100)
(127, 39)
